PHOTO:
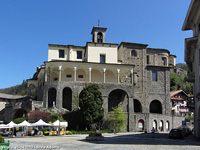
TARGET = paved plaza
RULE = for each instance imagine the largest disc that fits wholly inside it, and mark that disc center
(120, 141)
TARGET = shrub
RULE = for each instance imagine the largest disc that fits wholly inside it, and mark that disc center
(19, 120)
(1, 139)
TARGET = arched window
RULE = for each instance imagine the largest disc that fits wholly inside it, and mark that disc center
(167, 125)
(164, 61)
(133, 53)
(155, 124)
(161, 127)
(99, 37)
(141, 124)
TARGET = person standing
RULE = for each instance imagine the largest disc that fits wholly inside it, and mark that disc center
(153, 131)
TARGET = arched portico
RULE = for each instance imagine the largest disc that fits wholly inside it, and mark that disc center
(118, 98)
(137, 106)
(52, 97)
(67, 98)
(156, 107)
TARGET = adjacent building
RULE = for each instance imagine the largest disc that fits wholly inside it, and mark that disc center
(192, 57)
(179, 101)
(130, 75)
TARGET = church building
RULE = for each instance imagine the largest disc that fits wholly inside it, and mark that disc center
(130, 75)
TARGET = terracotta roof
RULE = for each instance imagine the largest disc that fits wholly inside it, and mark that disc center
(175, 92)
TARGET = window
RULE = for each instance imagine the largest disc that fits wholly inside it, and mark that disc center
(154, 75)
(164, 61)
(133, 53)
(102, 58)
(61, 53)
(79, 54)
(99, 37)
(148, 59)
(80, 76)
(68, 75)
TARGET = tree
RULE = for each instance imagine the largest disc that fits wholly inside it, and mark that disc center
(55, 117)
(36, 115)
(180, 83)
(91, 102)
(118, 118)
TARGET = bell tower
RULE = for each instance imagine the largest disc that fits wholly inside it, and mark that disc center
(98, 34)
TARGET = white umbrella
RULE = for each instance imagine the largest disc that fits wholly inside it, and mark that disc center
(58, 123)
(4, 126)
(40, 123)
(11, 124)
(23, 124)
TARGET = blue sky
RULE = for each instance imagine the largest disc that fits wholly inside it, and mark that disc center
(28, 26)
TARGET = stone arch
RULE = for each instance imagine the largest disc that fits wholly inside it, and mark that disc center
(161, 127)
(20, 113)
(140, 125)
(137, 106)
(81, 75)
(54, 76)
(52, 97)
(96, 76)
(68, 74)
(167, 126)
(99, 37)
(110, 77)
(118, 98)
(155, 125)
(156, 107)
(67, 98)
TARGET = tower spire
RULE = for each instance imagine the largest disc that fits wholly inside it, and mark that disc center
(98, 23)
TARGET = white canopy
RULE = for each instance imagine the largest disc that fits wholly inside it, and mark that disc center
(11, 124)
(58, 123)
(4, 126)
(40, 123)
(23, 124)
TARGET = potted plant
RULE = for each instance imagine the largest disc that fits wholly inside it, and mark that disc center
(4, 146)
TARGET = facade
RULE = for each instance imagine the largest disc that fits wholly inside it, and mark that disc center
(179, 101)
(130, 76)
(192, 55)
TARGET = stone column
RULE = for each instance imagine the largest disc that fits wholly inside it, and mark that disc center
(118, 70)
(132, 77)
(75, 68)
(90, 75)
(45, 76)
(60, 73)
(104, 75)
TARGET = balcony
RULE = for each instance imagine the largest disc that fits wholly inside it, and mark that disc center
(191, 77)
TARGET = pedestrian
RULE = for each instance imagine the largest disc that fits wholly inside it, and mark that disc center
(153, 131)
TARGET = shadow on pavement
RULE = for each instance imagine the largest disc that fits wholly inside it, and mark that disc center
(146, 139)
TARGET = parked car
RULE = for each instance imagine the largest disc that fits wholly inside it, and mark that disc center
(176, 134)
(187, 131)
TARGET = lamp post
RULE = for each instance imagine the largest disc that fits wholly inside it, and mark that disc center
(59, 124)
